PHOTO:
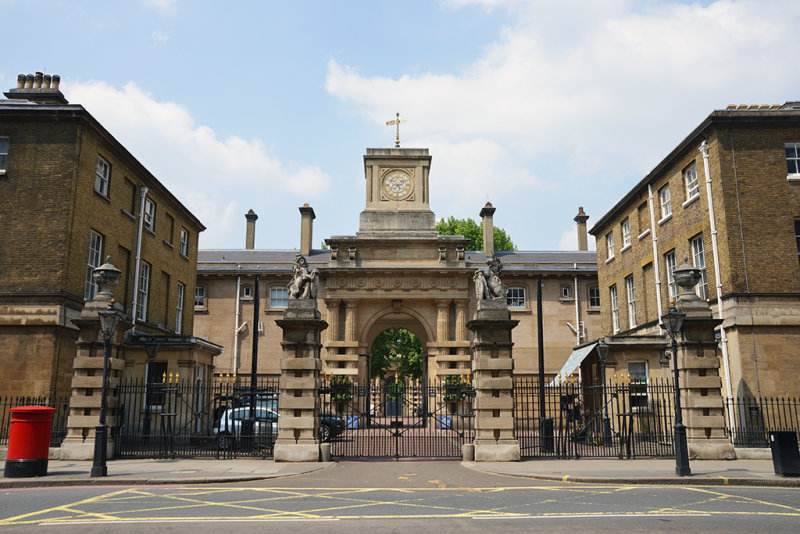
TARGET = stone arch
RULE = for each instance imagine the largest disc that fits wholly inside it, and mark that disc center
(378, 324)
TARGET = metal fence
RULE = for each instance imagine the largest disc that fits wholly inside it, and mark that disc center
(194, 419)
(59, 429)
(754, 418)
(622, 420)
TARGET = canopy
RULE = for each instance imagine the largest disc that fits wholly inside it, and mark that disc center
(572, 363)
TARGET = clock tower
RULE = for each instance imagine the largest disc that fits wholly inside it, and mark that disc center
(397, 192)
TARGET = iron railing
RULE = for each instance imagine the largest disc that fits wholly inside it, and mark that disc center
(195, 419)
(622, 420)
(59, 429)
(754, 418)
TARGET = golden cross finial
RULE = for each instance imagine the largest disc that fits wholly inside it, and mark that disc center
(396, 122)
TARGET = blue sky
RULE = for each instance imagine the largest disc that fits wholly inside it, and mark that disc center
(536, 106)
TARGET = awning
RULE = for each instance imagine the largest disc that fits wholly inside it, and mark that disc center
(572, 363)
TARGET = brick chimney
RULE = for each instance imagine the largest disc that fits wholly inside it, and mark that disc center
(306, 228)
(487, 217)
(250, 238)
(581, 218)
(38, 88)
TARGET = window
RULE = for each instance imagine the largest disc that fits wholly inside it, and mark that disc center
(95, 260)
(247, 292)
(278, 297)
(184, 241)
(699, 261)
(200, 297)
(171, 226)
(564, 292)
(690, 181)
(3, 154)
(672, 285)
(664, 199)
(156, 376)
(644, 219)
(614, 309)
(150, 214)
(131, 187)
(610, 244)
(631, 301)
(179, 308)
(626, 233)
(638, 374)
(144, 291)
(792, 159)
(515, 298)
(594, 297)
(102, 176)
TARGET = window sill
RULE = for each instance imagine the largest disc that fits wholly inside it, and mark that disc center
(644, 234)
(150, 230)
(274, 311)
(101, 195)
(691, 201)
(665, 219)
(127, 214)
(625, 248)
(184, 256)
(203, 309)
(793, 178)
(168, 244)
(609, 260)
(593, 310)
(2, 172)
(525, 311)
(566, 300)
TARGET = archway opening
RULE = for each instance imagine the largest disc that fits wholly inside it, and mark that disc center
(397, 353)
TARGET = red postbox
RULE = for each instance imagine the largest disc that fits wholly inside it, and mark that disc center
(29, 441)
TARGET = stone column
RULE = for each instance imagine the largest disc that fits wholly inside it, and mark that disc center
(492, 368)
(333, 320)
(700, 382)
(350, 320)
(87, 378)
(298, 425)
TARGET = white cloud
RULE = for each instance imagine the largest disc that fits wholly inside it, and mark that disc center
(207, 174)
(163, 6)
(586, 91)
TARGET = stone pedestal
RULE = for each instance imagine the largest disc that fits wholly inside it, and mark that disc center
(492, 369)
(298, 424)
(87, 383)
(700, 382)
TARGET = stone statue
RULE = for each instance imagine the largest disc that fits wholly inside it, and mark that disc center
(305, 280)
(487, 281)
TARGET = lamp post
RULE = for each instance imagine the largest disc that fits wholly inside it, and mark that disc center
(109, 318)
(602, 352)
(105, 276)
(673, 322)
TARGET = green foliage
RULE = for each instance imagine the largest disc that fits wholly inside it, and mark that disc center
(341, 387)
(454, 387)
(399, 349)
(474, 232)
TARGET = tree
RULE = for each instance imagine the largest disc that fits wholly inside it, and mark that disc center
(474, 232)
(396, 348)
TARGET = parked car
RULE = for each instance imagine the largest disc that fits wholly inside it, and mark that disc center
(229, 426)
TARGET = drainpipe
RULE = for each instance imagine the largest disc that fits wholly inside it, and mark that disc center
(577, 307)
(656, 269)
(718, 280)
(144, 191)
(236, 327)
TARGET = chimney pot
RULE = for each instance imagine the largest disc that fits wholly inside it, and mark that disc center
(47, 80)
(29, 81)
(37, 80)
(21, 81)
(56, 81)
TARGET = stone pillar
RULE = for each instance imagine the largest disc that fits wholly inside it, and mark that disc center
(461, 320)
(350, 320)
(580, 219)
(442, 320)
(700, 382)
(487, 219)
(492, 368)
(250, 234)
(87, 378)
(298, 425)
(307, 217)
(333, 320)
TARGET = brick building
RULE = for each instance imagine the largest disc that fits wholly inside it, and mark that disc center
(727, 200)
(70, 195)
(396, 272)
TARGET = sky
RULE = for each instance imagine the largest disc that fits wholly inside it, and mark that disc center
(535, 106)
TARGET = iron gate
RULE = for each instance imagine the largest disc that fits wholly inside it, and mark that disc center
(399, 419)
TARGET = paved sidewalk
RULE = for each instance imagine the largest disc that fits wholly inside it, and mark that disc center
(586, 470)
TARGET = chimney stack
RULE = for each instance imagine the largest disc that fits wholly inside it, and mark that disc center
(306, 228)
(37, 88)
(487, 218)
(581, 218)
(250, 238)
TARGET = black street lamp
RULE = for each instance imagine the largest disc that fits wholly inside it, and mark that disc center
(673, 322)
(602, 352)
(109, 318)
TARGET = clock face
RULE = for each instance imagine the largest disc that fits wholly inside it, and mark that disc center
(397, 185)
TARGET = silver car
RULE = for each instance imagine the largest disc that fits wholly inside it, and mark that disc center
(230, 426)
